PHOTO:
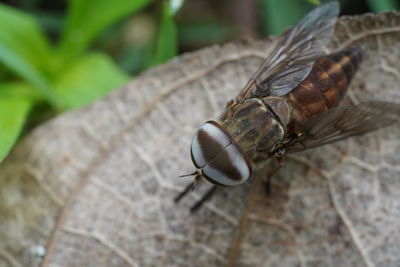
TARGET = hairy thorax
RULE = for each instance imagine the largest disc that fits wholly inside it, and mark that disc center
(257, 125)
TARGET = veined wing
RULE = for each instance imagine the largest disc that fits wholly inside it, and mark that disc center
(345, 121)
(292, 59)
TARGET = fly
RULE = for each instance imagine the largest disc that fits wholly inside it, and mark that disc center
(290, 104)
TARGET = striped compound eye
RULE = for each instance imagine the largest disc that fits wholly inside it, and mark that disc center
(218, 157)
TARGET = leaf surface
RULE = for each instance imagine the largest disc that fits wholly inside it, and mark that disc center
(98, 183)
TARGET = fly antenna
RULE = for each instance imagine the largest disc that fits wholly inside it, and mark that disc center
(190, 174)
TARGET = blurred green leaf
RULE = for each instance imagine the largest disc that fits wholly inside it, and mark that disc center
(315, 2)
(88, 79)
(203, 33)
(167, 45)
(21, 34)
(87, 18)
(19, 90)
(14, 110)
(134, 59)
(383, 5)
(24, 50)
(50, 22)
(24, 69)
(278, 15)
(5, 73)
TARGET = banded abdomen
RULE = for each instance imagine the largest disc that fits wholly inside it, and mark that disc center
(326, 84)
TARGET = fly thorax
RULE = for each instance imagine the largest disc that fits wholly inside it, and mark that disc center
(280, 108)
(254, 127)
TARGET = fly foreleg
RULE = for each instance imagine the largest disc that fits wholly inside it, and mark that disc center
(279, 156)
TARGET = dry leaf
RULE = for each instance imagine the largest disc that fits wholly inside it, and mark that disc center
(95, 187)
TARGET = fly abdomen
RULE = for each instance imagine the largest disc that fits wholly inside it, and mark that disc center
(341, 67)
(326, 84)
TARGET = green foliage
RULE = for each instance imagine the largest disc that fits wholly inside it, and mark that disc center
(383, 5)
(86, 19)
(315, 2)
(167, 46)
(87, 79)
(135, 59)
(279, 15)
(24, 50)
(65, 76)
(21, 34)
(203, 33)
(26, 71)
(15, 103)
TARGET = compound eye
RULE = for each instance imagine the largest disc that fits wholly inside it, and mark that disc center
(221, 160)
(207, 142)
(229, 168)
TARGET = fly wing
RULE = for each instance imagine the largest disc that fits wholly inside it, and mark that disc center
(292, 59)
(345, 121)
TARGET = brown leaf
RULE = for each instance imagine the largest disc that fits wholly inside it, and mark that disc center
(95, 187)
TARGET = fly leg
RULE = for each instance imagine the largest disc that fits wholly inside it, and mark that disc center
(185, 191)
(203, 199)
(190, 187)
(279, 156)
(270, 175)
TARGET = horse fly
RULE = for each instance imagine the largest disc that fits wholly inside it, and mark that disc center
(291, 103)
